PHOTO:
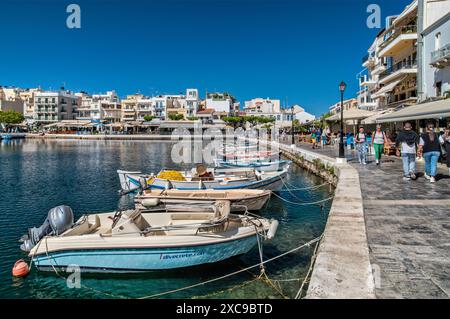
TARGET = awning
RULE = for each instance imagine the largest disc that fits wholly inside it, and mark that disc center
(350, 115)
(373, 119)
(387, 88)
(430, 110)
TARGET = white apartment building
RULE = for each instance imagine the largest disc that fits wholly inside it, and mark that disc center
(285, 117)
(350, 104)
(99, 107)
(144, 107)
(27, 95)
(160, 103)
(129, 107)
(192, 102)
(435, 68)
(396, 55)
(50, 106)
(220, 102)
(259, 106)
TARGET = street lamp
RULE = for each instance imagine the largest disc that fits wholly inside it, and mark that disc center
(342, 87)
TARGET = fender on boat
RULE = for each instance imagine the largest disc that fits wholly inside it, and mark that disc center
(272, 229)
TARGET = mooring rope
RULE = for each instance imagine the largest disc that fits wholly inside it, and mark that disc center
(294, 188)
(311, 265)
(304, 203)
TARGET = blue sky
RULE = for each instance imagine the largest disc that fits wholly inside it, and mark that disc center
(294, 49)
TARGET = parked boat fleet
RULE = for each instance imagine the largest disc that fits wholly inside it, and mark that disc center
(180, 219)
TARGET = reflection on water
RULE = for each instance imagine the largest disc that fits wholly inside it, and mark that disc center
(40, 174)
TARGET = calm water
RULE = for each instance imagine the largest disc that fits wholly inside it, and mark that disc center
(38, 175)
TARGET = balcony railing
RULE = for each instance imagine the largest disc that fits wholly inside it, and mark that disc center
(397, 67)
(367, 57)
(396, 32)
(442, 53)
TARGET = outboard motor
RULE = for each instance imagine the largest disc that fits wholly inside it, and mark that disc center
(59, 219)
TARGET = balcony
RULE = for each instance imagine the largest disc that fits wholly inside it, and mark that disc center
(441, 58)
(397, 70)
(397, 40)
(368, 60)
(366, 80)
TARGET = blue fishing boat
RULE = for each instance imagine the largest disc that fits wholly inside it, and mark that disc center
(134, 241)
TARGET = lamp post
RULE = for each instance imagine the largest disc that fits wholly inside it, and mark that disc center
(342, 87)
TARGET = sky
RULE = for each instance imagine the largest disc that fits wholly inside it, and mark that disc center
(293, 50)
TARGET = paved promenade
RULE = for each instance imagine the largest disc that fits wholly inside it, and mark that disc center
(407, 225)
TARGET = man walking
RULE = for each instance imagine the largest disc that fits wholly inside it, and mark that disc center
(406, 143)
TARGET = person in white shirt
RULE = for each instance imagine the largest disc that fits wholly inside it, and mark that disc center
(378, 141)
(361, 146)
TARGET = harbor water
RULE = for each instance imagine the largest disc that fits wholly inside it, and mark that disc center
(37, 175)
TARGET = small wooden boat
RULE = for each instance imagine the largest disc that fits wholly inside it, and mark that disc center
(173, 199)
(133, 241)
(259, 165)
(217, 179)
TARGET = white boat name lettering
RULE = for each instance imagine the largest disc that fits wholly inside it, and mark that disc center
(177, 256)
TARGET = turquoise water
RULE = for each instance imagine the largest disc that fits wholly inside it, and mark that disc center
(37, 175)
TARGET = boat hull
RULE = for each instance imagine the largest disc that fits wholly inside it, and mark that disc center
(136, 182)
(251, 204)
(260, 166)
(144, 259)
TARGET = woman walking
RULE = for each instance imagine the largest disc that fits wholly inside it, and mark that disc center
(430, 150)
(445, 141)
(361, 146)
(378, 141)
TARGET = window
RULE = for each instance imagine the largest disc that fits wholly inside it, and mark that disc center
(437, 41)
(438, 88)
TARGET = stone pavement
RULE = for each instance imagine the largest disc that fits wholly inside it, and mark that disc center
(408, 228)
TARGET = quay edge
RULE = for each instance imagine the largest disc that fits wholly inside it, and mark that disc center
(342, 268)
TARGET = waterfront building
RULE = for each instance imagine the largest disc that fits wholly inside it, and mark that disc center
(10, 100)
(368, 78)
(144, 107)
(99, 107)
(221, 103)
(262, 106)
(284, 118)
(54, 106)
(129, 107)
(350, 104)
(27, 96)
(435, 69)
(160, 106)
(397, 54)
(192, 102)
(433, 78)
(177, 105)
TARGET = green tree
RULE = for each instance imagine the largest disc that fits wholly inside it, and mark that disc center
(148, 118)
(11, 117)
(176, 117)
(192, 118)
(234, 121)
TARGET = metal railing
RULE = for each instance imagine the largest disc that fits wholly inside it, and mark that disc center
(441, 53)
(396, 32)
(397, 67)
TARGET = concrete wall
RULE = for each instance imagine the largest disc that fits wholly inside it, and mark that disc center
(342, 268)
